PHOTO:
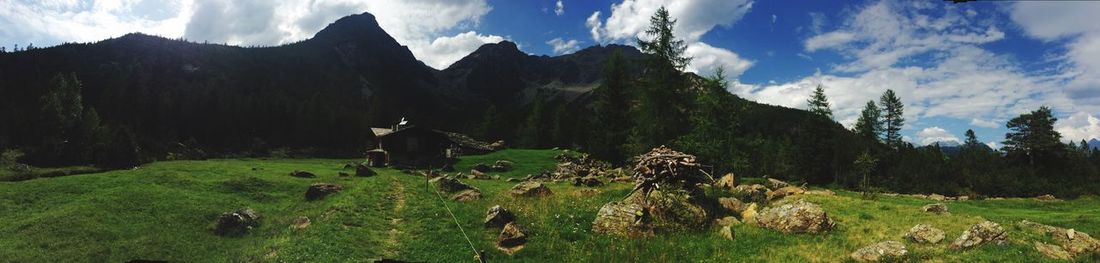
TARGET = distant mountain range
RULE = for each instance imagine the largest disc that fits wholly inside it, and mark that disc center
(1094, 144)
(323, 92)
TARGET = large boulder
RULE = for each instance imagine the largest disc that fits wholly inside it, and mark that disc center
(320, 190)
(726, 232)
(530, 189)
(1052, 251)
(751, 193)
(672, 210)
(979, 234)
(936, 197)
(363, 170)
(797, 217)
(300, 223)
(776, 184)
(498, 216)
(924, 233)
(1072, 241)
(887, 251)
(732, 205)
(937, 208)
(622, 219)
(728, 181)
(302, 174)
(785, 192)
(467, 195)
(502, 166)
(512, 238)
(237, 223)
(450, 185)
(749, 214)
(481, 167)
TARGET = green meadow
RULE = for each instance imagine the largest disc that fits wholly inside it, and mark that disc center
(167, 210)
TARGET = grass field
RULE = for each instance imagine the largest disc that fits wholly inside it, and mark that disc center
(166, 210)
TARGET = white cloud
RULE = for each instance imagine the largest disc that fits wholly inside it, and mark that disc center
(417, 24)
(47, 23)
(984, 123)
(594, 25)
(629, 20)
(1075, 23)
(993, 145)
(446, 50)
(564, 46)
(956, 77)
(708, 59)
(1079, 126)
(936, 134)
(559, 8)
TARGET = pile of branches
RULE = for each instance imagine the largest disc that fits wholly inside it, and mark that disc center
(664, 167)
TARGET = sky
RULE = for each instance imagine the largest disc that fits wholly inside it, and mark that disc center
(955, 66)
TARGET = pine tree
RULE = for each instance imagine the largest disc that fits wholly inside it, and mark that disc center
(611, 125)
(892, 118)
(869, 124)
(1033, 135)
(663, 100)
(819, 104)
(971, 139)
(712, 124)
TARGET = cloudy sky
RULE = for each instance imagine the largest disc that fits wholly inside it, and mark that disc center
(955, 66)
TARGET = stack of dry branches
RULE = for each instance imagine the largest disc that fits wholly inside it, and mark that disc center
(663, 166)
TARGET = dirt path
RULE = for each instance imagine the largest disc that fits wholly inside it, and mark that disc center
(393, 240)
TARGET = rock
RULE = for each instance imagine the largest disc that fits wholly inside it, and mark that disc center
(979, 234)
(451, 185)
(887, 251)
(727, 221)
(467, 195)
(963, 198)
(343, 174)
(300, 223)
(727, 181)
(512, 238)
(784, 192)
(363, 170)
(589, 181)
(938, 208)
(237, 223)
(751, 193)
(776, 184)
(475, 174)
(797, 217)
(672, 210)
(923, 233)
(749, 214)
(302, 174)
(1072, 241)
(732, 205)
(936, 197)
(512, 180)
(502, 166)
(530, 189)
(1076, 242)
(726, 232)
(622, 219)
(1047, 198)
(1052, 251)
(623, 179)
(497, 216)
(822, 192)
(483, 168)
(320, 190)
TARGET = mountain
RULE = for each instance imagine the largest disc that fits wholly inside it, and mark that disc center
(321, 96)
(1094, 144)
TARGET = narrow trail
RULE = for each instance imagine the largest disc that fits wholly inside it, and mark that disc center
(393, 236)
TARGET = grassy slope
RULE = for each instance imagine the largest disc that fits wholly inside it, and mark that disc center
(165, 211)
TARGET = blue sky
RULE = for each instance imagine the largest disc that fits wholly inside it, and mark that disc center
(956, 66)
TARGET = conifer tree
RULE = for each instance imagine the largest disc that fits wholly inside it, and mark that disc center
(869, 124)
(819, 104)
(892, 118)
(663, 100)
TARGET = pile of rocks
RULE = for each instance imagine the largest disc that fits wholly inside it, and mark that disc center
(578, 165)
(512, 237)
(1070, 243)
